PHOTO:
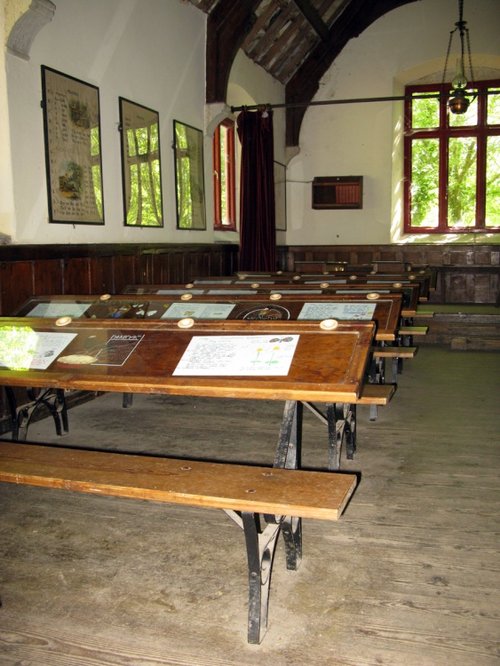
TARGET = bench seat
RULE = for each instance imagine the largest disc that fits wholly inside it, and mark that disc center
(263, 501)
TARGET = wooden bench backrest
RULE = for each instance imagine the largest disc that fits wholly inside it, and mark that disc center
(275, 491)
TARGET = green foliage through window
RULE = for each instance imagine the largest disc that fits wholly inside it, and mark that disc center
(452, 162)
(189, 177)
(142, 193)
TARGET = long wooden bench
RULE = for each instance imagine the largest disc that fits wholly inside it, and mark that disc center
(263, 501)
(396, 354)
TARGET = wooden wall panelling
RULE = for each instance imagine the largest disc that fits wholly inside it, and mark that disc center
(16, 285)
(164, 270)
(125, 271)
(197, 265)
(101, 275)
(147, 270)
(48, 276)
(77, 276)
(468, 284)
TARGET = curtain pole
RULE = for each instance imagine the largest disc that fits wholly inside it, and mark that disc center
(356, 100)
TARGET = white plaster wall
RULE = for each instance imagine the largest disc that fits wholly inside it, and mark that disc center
(364, 139)
(6, 195)
(149, 51)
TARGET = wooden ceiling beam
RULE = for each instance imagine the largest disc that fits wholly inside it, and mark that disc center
(303, 85)
(313, 18)
(227, 26)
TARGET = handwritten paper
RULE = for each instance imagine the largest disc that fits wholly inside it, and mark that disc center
(347, 310)
(238, 355)
(22, 348)
(59, 309)
(198, 310)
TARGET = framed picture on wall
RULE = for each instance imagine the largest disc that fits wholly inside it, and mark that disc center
(189, 177)
(280, 195)
(141, 165)
(72, 132)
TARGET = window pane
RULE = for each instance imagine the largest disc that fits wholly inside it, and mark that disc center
(133, 203)
(224, 213)
(424, 183)
(425, 113)
(462, 182)
(493, 182)
(465, 119)
(493, 106)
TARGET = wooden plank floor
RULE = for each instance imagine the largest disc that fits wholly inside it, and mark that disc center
(409, 576)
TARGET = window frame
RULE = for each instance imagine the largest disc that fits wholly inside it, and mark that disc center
(443, 134)
(230, 169)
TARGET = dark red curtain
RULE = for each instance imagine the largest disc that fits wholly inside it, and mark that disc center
(257, 210)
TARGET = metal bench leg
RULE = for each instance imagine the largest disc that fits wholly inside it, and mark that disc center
(261, 546)
(288, 451)
(350, 430)
(291, 529)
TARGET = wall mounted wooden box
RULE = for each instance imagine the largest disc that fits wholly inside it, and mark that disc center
(337, 192)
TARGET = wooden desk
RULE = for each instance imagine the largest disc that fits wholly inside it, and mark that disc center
(410, 292)
(328, 366)
(385, 310)
(315, 281)
(290, 361)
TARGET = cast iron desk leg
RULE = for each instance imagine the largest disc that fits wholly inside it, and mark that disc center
(52, 399)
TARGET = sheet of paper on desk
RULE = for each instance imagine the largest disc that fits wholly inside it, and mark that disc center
(59, 309)
(22, 348)
(117, 349)
(238, 355)
(198, 310)
(362, 291)
(322, 310)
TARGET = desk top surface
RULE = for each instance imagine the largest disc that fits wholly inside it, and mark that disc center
(233, 359)
(384, 309)
(410, 292)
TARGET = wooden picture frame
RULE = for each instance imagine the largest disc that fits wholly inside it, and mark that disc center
(141, 165)
(189, 177)
(72, 132)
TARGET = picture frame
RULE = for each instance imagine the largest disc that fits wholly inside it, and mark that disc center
(189, 177)
(72, 133)
(280, 195)
(141, 165)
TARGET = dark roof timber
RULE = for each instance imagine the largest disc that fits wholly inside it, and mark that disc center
(302, 87)
(229, 23)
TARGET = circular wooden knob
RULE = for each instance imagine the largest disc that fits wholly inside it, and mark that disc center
(329, 324)
(63, 321)
(187, 322)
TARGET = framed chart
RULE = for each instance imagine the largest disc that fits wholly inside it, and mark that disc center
(141, 166)
(72, 134)
(189, 177)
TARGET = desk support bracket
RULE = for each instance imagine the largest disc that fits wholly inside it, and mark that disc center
(261, 537)
(52, 399)
(262, 531)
